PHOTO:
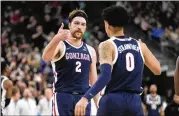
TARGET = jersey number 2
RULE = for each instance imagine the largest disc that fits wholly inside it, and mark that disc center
(129, 61)
(78, 66)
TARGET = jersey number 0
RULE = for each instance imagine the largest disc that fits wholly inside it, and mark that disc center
(130, 62)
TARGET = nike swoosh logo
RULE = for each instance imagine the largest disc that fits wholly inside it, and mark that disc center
(68, 48)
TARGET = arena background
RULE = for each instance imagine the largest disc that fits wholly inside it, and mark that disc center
(27, 27)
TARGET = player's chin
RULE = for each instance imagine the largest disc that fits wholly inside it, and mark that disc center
(78, 36)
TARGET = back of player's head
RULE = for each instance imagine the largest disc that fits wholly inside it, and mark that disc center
(116, 16)
(76, 13)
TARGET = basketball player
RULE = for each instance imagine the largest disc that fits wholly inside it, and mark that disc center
(176, 82)
(6, 86)
(122, 60)
(74, 64)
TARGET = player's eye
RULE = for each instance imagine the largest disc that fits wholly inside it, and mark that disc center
(83, 24)
(76, 23)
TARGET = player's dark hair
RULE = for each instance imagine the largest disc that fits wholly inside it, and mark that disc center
(116, 16)
(77, 12)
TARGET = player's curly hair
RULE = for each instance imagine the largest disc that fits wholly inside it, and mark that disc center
(116, 16)
(77, 12)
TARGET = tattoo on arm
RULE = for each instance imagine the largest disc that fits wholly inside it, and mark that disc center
(105, 53)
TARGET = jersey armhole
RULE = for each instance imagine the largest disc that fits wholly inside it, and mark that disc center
(90, 51)
(116, 52)
(63, 53)
(140, 51)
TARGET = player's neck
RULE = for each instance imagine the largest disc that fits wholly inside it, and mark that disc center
(14, 99)
(117, 33)
(75, 42)
(153, 94)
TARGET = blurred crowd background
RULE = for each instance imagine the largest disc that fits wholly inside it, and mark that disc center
(27, 27)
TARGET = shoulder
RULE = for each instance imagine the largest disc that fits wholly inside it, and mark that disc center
(143, 45)
(91, 50)
(8, 84)
(106, 45)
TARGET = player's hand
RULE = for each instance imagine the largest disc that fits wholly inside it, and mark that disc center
(64, 34)
(80, 107)
(176, 99)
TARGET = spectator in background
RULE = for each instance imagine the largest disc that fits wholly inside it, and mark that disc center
(143, 96)
(45, 104)
(38, 38)
(153, 102)
(26, 105)
(11, 108)
(158, 32)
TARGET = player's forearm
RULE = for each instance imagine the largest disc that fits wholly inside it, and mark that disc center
(176, 78)
(154, 67)
(49, 50)
(96, 99)
(102, 81)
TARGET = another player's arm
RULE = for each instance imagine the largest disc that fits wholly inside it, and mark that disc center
(54, 48)
(8, 86)
(176, 77)
(150, 60)
(93, 73)
(176, 82)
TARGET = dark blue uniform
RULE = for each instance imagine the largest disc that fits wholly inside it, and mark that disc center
(121, 95)
(71, 73)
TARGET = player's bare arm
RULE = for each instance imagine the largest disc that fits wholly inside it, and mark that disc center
(150, 60)
(55, 47)
(8, 86)
(176, 77)
(176, 82)
(93, 73)
(106, 53)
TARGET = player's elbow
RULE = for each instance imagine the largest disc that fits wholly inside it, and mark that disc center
(46, 57)
(158, 70)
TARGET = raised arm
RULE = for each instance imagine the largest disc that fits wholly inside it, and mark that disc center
(55, 47)
(150, 60)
